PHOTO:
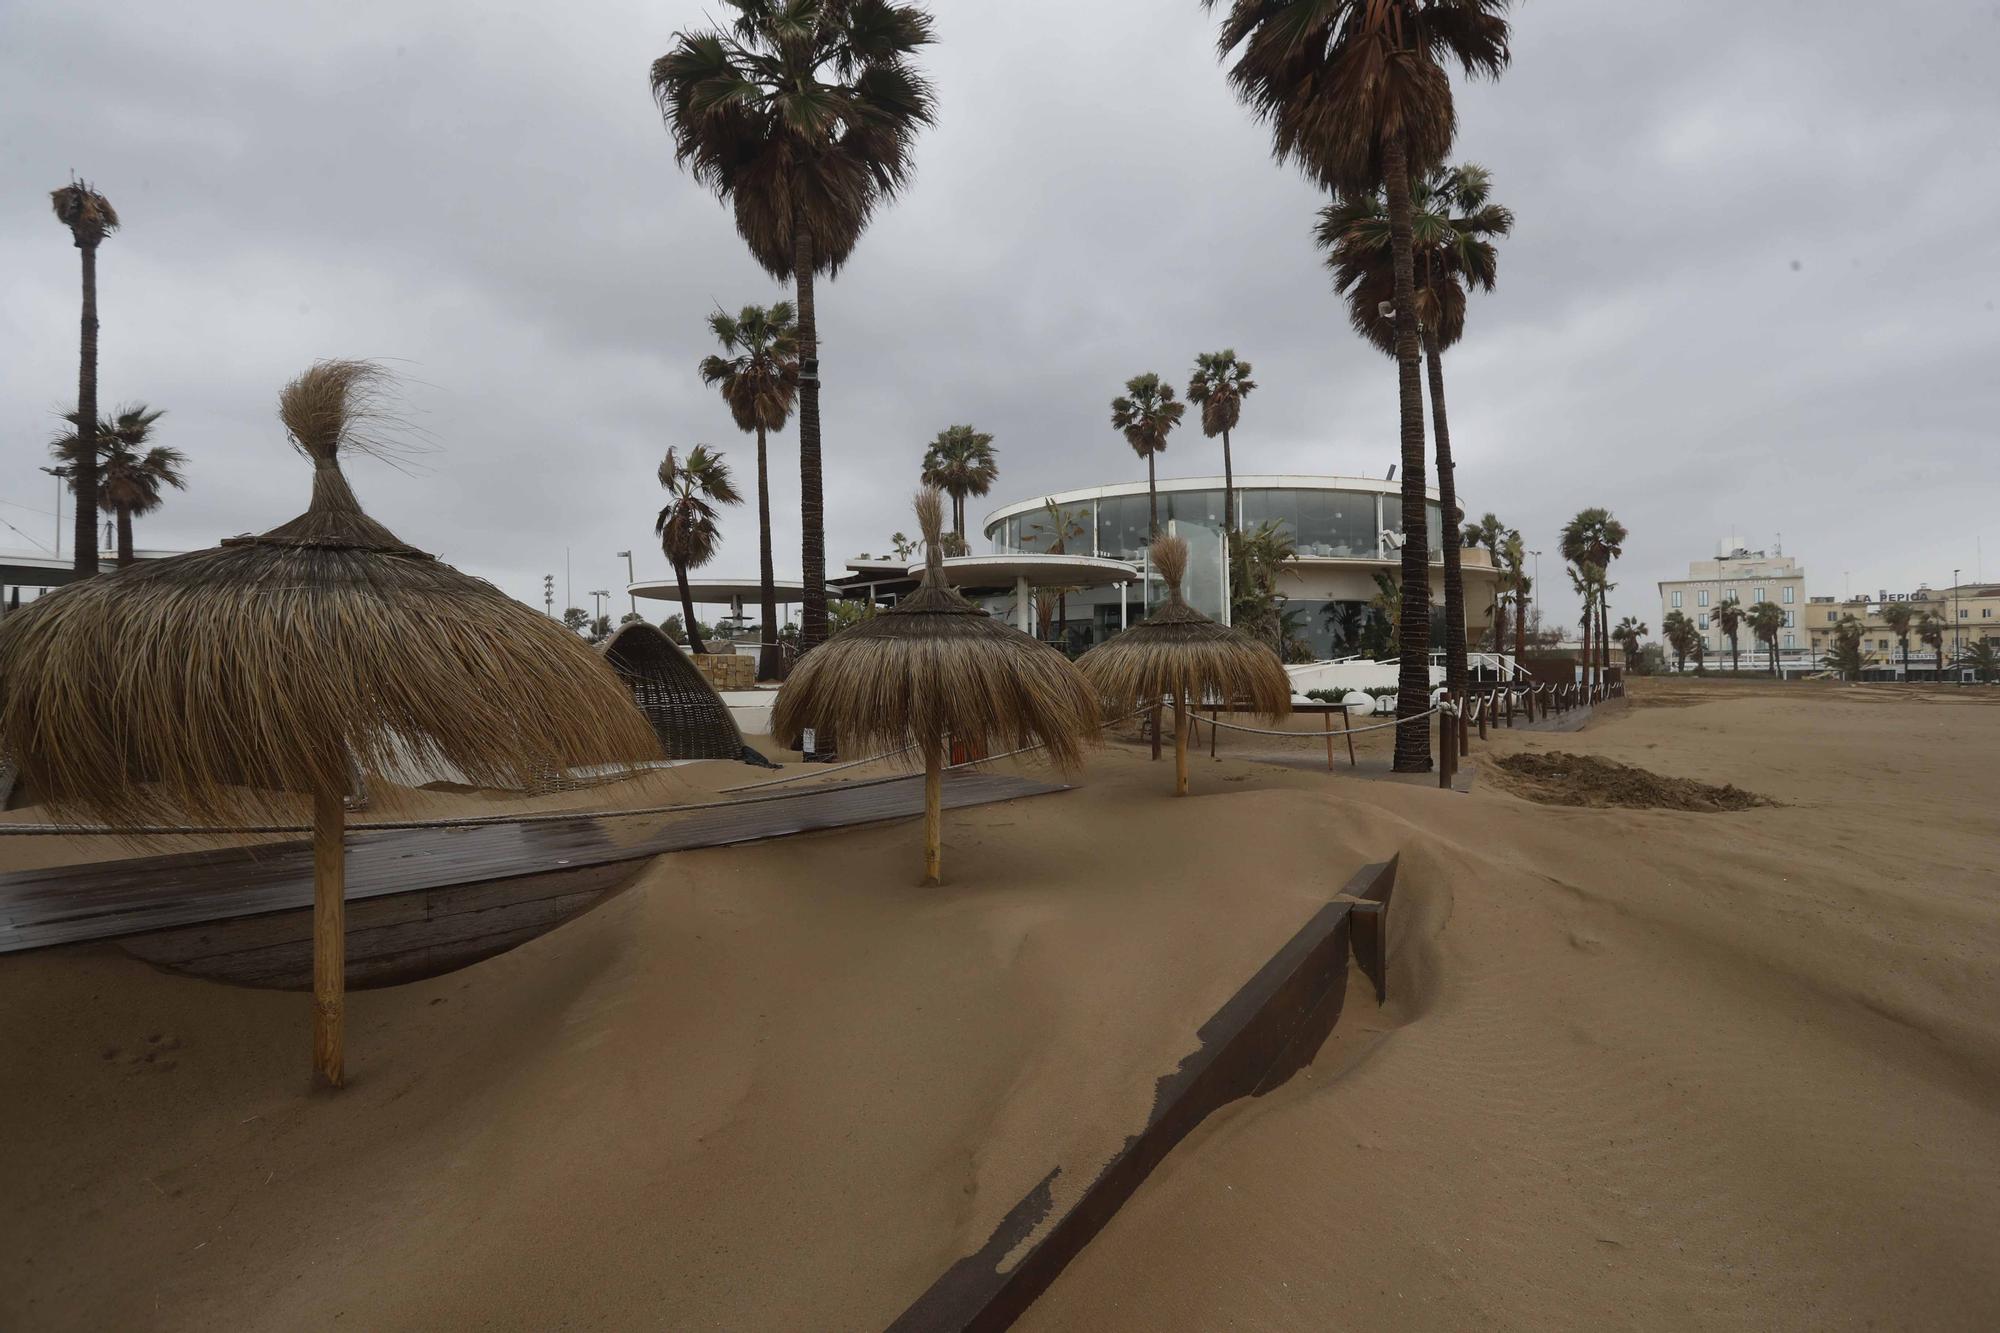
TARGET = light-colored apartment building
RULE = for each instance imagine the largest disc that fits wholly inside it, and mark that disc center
(1749, 577)
(1970, 613)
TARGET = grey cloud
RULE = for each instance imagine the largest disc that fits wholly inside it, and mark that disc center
(489, 196)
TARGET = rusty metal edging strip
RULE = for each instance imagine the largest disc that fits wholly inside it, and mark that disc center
(1265, 1033)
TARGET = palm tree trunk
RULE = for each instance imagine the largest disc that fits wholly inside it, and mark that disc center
(1588, 616)
(1520, 621)
(812, 502)
(124, 536)
(770, 662)
(83, 480)
(687, 609)
(1152, 497)
(1454, 578)
(1228, 491)
(1413, 738)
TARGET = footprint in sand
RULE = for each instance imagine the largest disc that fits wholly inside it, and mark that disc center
(155, 1053)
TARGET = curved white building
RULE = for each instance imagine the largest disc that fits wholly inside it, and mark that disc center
(1346, 530)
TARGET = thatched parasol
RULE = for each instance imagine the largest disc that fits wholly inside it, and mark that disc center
(933, 670)
(228, 684)
(1179, 652)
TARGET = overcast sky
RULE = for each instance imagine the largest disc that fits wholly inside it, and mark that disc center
(1751, 291)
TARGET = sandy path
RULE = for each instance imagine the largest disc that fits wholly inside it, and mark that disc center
(1643, 1069)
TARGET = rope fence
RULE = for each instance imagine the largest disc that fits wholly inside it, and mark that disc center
(1575, 695)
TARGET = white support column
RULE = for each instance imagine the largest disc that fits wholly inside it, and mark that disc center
(1023, 610)
(1121, 604)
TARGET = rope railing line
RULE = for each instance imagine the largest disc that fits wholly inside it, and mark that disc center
(1310, 735)
(540, 817)
(817, 771)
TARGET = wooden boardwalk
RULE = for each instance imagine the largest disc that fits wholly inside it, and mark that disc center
(104, 900)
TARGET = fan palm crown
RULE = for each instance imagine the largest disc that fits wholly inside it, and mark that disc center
(1342, 83)
(687, 526)
(961, 463)
(1454, 225)
(757, 373)
(1146, 413)
(1218, 386)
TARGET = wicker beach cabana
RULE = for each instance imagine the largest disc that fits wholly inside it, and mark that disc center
(687, 715)
(933, 671)
(1180, 654)
(251, 681)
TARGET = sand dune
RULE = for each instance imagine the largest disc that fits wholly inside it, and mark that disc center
(1640, 1068)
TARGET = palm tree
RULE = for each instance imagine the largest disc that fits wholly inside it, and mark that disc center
(1984, 659)
(759, 379)
(130, 474)
(1728, 618)
(1766, 619)
(90, 218)
(1514, 557)
(1899, 616)
(1055, 529)
(1147, 414)
(1218, 387)
(1630, 630)
(1681, 636)
(1584, 578)
(686, 527)
(801, 115)
(1930, 631)
(1454, 224)
(1356, 96)
(1489, 532)
(1595, 538)
(960, 462)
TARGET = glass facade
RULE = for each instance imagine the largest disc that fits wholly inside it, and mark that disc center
(1323, 524)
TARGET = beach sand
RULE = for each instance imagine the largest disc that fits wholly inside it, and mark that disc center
(1639, 1068)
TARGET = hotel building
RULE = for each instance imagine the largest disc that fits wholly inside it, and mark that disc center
(1749, 577)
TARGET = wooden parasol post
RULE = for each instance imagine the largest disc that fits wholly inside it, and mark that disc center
(933, 817)
(329, 938)
(1180, 743)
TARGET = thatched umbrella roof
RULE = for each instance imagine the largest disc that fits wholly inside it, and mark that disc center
(935, 666)
(219, 685)
(1177, 648)
(225, 684)
(1180, 653)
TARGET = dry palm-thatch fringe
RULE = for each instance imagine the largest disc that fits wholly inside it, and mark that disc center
(1180, 653)
(237, 683)
(934, 670)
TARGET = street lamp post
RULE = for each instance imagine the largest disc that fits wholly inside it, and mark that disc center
(600, 594)
(1536, 585)
(61, 473)
(1957, 647)
(631, 577)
